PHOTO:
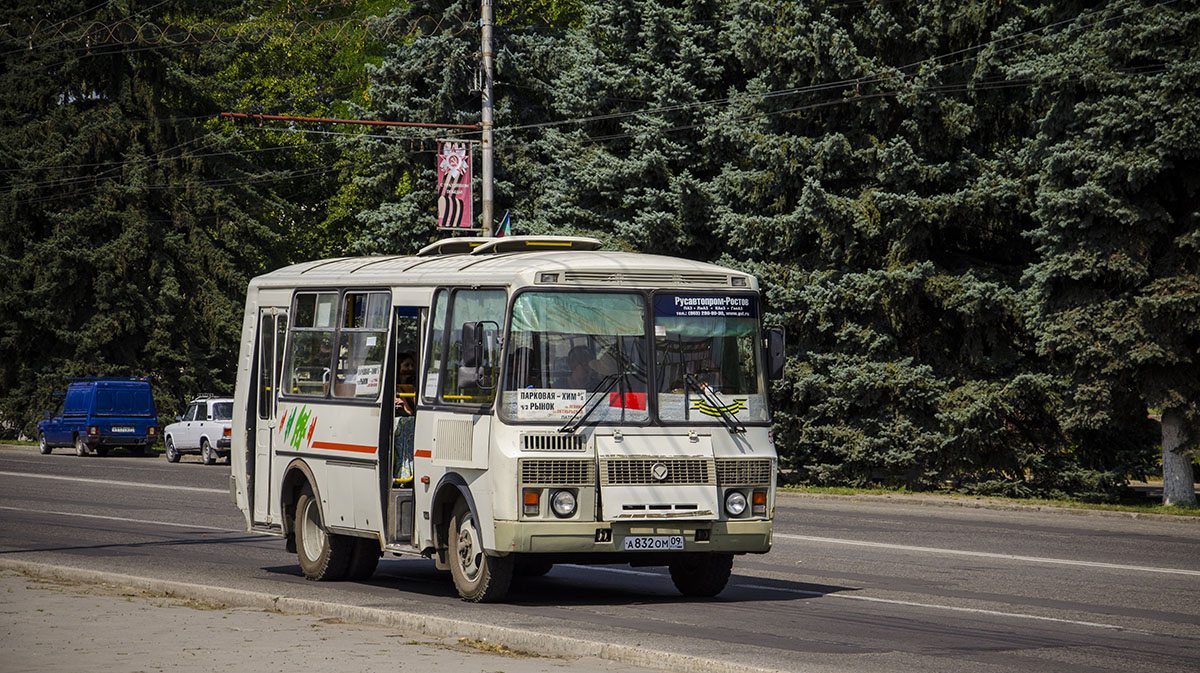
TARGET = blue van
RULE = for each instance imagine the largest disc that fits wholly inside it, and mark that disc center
(102, 412)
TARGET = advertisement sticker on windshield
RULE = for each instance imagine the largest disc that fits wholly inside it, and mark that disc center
(705, 306)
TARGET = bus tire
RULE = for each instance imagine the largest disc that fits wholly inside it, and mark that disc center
(324, 557)
(702, 575)
(42, 445)
(479, 578)
(363, 559)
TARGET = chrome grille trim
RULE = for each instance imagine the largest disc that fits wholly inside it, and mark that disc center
(553, 441)
(744, 471)
(557, 472)
(638, 471)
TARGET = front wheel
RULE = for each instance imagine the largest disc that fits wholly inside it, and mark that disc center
(80, 446)
(207, 455)
(478, 577)
(172, 452)
(702, 575)
(323, 556)
(42, 445)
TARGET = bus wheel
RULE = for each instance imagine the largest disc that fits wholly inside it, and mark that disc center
(42, 445)
(702, 575)
(323, 556)
(363, 559)
(478, 577)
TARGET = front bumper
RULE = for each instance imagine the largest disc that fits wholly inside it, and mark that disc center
(572, 537)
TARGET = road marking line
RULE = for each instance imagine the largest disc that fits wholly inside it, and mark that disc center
(115, 483)
(869, 599)
(118, 518)
(984, 554)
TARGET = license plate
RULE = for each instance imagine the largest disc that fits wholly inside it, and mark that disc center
(122, 428)
(653, 542)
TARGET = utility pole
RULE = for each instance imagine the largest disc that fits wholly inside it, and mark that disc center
(485, 21)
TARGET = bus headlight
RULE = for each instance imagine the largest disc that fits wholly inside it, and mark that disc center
(563, 503)
(735, 503)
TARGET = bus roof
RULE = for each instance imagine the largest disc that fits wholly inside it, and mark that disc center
(517, 261)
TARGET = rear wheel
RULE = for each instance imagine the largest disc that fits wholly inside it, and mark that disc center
(80, 446)
(702, 575)
(102, 451)
(138, 450)
(364, 559)
(478, 577)
(323, 556)
(42, 445)
(172, 453)
(207, 455)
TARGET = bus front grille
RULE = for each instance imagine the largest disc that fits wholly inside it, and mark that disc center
(743, 471)
(649, 471)
(551, 472)
(553, 441)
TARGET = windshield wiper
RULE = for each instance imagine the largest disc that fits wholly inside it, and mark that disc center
(709, 396)
(595, 393)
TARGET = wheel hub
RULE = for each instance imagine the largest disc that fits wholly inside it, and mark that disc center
(469, 549)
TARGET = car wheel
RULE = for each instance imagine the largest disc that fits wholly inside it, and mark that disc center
(80, 446)
(702, 575)
(478, 577)
(206, 452)
(323, 556)
(172, 454)
(42, 445)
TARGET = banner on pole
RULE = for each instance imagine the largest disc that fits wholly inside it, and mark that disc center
(454, 185)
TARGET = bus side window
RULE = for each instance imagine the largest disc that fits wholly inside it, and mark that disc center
(433, 352)
(468, 385)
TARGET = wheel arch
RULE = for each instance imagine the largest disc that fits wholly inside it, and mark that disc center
(296, 476)
(450, 489)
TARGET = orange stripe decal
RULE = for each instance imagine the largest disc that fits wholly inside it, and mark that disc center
(357, 448)
(423, 453)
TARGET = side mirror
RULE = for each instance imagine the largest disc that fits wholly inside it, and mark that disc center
(472, 345)
(776, 352)
(178, 418)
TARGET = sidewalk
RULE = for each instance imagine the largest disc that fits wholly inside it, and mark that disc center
(62, 625)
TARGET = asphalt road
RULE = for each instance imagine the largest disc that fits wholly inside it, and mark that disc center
(850, 585)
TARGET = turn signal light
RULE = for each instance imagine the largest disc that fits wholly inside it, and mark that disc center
(759, 503)
(227, 433)
(151, 430)
(533, 502)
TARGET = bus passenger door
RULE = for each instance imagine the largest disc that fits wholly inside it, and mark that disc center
(272, 328)
(407, 332)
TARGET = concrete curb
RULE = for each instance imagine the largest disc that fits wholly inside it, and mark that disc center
(439, 627)
(987, 503)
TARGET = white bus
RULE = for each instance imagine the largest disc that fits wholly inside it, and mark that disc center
(502, 405)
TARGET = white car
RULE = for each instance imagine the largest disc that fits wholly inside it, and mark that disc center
(205, 428)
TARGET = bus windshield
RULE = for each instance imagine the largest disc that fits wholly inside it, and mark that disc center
(706, 358)
(566, 347)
